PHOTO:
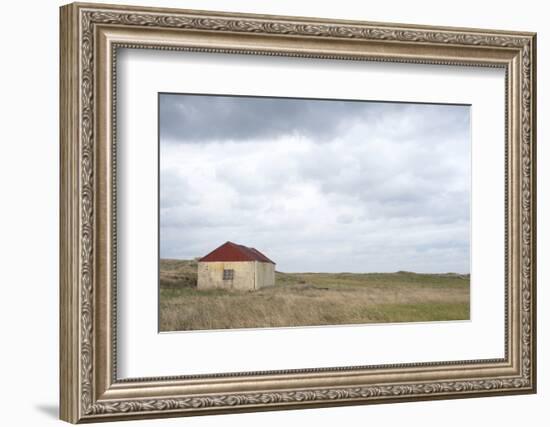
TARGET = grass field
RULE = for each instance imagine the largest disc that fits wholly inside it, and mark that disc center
(306, 299)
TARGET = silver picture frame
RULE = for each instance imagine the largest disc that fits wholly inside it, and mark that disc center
(90, 37)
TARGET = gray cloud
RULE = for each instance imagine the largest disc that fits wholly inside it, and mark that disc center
(317, 185)
(198, 118)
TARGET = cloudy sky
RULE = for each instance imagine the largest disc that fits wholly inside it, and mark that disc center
(317, 185)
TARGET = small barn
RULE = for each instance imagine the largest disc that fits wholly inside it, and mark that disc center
(233, 266)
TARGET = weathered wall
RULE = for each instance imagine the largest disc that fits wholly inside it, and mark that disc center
(247, 275)
(265, 274)
(210, 275)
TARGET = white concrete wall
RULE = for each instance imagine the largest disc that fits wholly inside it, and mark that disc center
(265, 274)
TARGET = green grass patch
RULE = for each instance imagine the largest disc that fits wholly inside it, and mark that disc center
(420, 312)
(308, 299)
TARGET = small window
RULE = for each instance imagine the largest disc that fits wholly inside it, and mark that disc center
(228, 274)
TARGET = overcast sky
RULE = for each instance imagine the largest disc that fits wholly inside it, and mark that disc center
(317, 185)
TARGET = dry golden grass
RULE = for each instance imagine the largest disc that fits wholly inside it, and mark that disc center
(307, 299)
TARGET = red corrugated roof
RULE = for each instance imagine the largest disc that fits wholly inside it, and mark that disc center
(230, 251)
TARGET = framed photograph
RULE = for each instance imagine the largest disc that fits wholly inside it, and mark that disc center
(267, 212)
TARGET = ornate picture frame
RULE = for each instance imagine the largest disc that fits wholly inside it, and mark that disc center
(90, 37)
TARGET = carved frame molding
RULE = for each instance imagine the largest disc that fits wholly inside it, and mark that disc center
(90, 36)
